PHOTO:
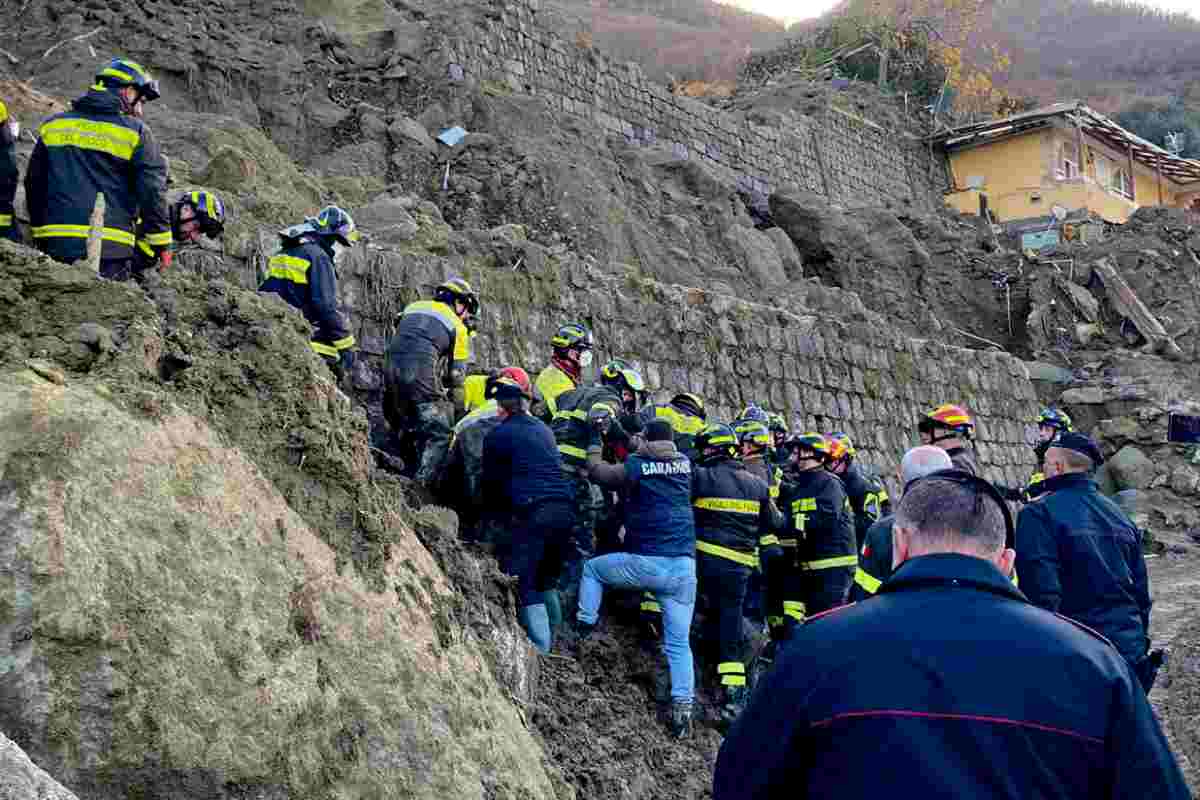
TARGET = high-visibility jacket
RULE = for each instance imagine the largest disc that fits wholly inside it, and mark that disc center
(551, 382)
(428, 353)
(733, 512)
(8, 172)
(684, 425)
(95, 149)
(572, 429)
(303, 275)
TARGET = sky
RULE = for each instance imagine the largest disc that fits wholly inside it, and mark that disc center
(790, 10)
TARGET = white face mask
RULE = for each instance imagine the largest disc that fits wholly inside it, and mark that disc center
(14, 128)
(585, 359)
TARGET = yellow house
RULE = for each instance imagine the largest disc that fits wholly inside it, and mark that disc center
(1064, 159)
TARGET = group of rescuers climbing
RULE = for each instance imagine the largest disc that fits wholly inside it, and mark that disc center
(579, 485)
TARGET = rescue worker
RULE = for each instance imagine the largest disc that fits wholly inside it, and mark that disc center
(950, 428)
(975, 691)
(424, 371)
(875, 552)
(733, 517)
(660, 544)
(464, 466)
(572, 354)
(868, 496)
(779, 434)
(818, 561)
(475, 391)
(9, 174)
(686, 415)
(303, 274)
(1051, 422)
(100, 146)
(524, 487)
(618, 393)
(193, 214)
(754, 441)
(1079, 555)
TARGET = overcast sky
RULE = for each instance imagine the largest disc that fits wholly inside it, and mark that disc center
(801, 9)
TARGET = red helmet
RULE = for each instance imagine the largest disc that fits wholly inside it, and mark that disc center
(947, 417)
(511, 376)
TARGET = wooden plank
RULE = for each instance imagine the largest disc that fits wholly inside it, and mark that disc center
(1126, 303)
(95, 239)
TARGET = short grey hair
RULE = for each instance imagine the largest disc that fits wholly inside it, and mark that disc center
(947, 516)
(920, 461)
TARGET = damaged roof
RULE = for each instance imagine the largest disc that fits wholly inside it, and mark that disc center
(1093, 123)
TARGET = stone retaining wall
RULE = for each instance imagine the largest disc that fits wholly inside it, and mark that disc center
(839, 155)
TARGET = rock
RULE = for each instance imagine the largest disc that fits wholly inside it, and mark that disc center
(47, 371)
(757, 255)
(405, 130)
(1084, 395)
(95, 336)
(793, 264)
(1185, 481)
(1048, 373)
(513, 234)
(1081, 298)
(21, 779)
(229, 169)
(386, 219)
(1131, 469)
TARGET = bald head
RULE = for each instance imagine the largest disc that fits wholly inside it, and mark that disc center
(920, 461)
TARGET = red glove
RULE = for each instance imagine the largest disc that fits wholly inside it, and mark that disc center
(164, 260)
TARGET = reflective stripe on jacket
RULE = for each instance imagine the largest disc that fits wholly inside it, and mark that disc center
(571, 428)
(732, 508)
(303, 275)
(95, 149)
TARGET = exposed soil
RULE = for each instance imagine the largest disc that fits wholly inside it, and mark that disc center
(1175, 625)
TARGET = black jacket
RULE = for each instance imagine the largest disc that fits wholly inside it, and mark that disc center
(428, 353)
(521, 468)
(572, 429)
(962, 459)
(819, 531)
(868, 498)
(733, 511)
(303, 275)
(684, 425)
(874, 560)
(1078, 554)
(93, 149)
(949, 684)
(8, 170)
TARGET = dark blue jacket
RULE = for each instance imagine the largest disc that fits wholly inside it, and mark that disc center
(521, 468)
(656, 484)
(303, 274)
(1078, 554)
(948, 684)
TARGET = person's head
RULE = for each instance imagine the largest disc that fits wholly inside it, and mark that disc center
(921, 461)
(511, 390)
(129, 81)
(952, 511)
(841, 453)
(196, 213)
(690, 404)
(1070, 453)
(658, 430)
(333, 226)
(459, 295)
(808, 451)
(1051, 422)
(779, 431)
(716, 442)
(753, 437)
(947, 426)
(573, 343)
(623, 378)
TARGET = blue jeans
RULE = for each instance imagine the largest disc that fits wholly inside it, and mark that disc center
(672, 581)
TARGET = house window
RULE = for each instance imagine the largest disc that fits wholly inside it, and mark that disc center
(1068, 161)
(1104, 172)
(1122, 184)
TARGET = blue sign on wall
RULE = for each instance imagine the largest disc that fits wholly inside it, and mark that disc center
(1038, 240)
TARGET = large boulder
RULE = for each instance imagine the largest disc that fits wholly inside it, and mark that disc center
(171, 627)
(1131, 468)
(21, 779)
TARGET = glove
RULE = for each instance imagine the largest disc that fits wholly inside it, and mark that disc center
(164, 260)
(600, 419)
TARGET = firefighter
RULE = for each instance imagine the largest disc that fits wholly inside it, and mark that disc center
(733, 516)
(686, 415)
(950, 428)
(754, 442)
(817, 566)
(573, 349)
(424, 371)
(303, 274)
(9, 130)
(101, 146)
(868, 496)
(193, 214)
(779, 434)
(618, 392)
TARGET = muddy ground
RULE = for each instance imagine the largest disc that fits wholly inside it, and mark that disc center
(1175, 624)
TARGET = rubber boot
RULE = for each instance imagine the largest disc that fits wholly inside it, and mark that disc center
(734, 704)
(680, 720)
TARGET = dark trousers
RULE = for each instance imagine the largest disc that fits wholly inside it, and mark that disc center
(423, 428)
(722, 592)
(537, 548)
(581, 546)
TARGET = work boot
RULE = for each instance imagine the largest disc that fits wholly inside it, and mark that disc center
(680, 720)
(583, 629)
(734, 704)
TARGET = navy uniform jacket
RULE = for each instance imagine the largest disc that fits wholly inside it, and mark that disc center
(1078, 554)
(8, 173)
(93, 149)
(521, 468)
(949, 684)
(874, 560)
(303, 275)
